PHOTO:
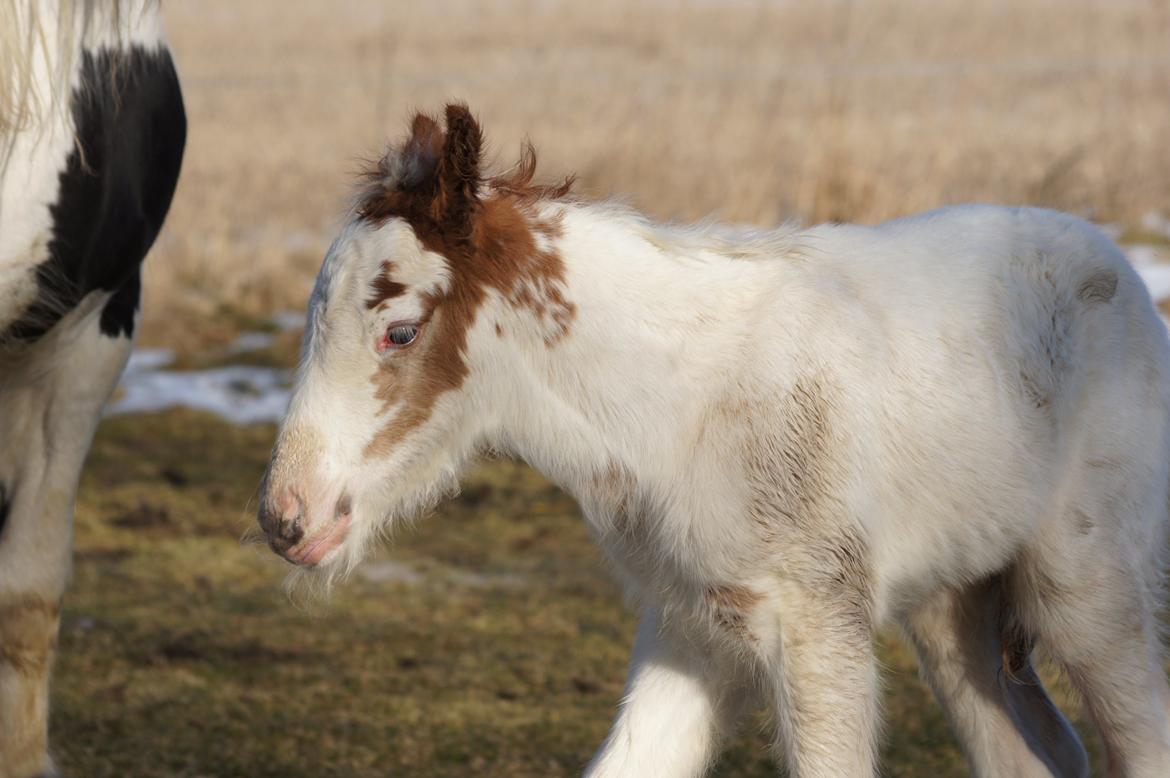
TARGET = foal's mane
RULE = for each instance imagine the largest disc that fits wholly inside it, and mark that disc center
(517, 182)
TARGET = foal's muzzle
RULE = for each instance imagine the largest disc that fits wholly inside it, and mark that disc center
(294, 534)
(281, 518)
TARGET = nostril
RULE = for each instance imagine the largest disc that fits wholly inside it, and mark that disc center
(291, 532)
(281, 518)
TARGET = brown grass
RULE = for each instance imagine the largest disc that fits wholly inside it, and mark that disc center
(753, 112)
(488, 640)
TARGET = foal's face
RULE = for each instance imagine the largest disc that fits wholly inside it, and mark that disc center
(401, 321)
(369, 402)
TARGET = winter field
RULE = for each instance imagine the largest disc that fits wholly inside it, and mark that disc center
(489, 640)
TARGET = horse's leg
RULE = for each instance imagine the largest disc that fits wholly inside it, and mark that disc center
(679, 700)
(824, 681)
(50, 403)
(1004, 720)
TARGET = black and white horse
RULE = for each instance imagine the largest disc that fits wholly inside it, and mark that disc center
(92, 130)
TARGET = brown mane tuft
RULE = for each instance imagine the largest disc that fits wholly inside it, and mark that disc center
(434, 176)
(518, 183)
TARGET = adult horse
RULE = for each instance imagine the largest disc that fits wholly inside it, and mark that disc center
(92, 130)
(958, 421)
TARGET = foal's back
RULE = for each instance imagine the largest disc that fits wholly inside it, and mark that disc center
(991, 363)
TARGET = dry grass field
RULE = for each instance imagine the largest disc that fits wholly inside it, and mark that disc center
(489, 640)
(751, 112)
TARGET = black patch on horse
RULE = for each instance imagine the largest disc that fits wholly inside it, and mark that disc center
(115, 190)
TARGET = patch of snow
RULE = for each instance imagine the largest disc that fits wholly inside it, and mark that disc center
(240, 394)
(287, 321)
(146, 359)
(251, 341)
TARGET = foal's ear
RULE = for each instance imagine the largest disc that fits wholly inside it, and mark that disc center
(420, 154)
(458, 173)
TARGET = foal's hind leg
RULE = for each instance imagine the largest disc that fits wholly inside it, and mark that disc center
(1006, 725)
(1090, 598)
(50, 402)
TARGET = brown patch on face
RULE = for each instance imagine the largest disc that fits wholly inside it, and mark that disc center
(384, 287)
(1099, 287)
(490, 244)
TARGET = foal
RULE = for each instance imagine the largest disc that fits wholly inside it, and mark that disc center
(781, 440)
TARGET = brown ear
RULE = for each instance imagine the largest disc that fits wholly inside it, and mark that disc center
(458, 174)
(421, 153)
(403, 181)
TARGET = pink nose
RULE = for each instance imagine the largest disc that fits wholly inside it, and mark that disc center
(281, 517)
(288, 503)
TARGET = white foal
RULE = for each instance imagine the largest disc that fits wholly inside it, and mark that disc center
(781, 440)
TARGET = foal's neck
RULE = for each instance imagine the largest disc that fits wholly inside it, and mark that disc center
(661, 332)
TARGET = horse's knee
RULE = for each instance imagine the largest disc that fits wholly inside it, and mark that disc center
(28, 640)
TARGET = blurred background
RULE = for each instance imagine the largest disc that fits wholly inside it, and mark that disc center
(752, 112)
(488, 640)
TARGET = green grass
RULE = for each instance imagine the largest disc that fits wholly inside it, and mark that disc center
(488, 640)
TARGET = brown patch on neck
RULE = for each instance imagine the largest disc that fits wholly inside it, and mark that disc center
(492, 243)
(731, 606)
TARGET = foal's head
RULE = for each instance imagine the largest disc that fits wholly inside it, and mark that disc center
(401, 366)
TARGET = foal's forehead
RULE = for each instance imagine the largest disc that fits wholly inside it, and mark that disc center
(365, 254)
(361, 248)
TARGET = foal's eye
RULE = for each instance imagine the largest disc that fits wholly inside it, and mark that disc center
(399, 335)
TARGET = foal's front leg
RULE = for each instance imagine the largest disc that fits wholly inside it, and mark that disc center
(824, 682)
(679, 700)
